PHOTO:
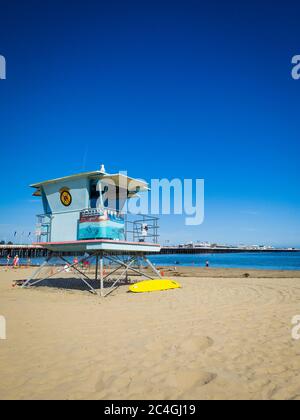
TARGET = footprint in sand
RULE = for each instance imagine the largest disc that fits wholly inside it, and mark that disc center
(194, 344)
(185, 379)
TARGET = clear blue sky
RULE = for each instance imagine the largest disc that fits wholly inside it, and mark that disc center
(162, 89)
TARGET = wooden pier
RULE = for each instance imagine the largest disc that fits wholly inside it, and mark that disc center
(220, 250)
(23, 251)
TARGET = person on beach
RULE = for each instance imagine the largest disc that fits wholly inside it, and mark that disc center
(207, 264)
(86, 265)
(16, 262)
(8, 260)
(144, 229)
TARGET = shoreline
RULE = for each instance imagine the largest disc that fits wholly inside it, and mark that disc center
(193, 271)
(184, 271)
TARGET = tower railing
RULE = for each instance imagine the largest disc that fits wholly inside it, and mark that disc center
(141, 228)
(43, 228)
(137, 228)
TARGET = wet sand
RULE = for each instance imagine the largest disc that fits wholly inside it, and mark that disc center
(222, 336)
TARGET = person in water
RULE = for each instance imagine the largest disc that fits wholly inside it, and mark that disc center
(207, 264)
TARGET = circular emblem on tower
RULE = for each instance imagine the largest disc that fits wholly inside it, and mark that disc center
(65, 197)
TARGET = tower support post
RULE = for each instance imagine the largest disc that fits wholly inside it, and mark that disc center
(101, 276)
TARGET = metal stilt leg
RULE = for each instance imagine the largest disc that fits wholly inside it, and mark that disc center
(113, 287)
(97, 267)
(35, 274)
(152, 266)
(130, 268)
(101, 276)
(79, 273)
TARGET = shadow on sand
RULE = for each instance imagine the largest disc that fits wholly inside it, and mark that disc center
(73, 284)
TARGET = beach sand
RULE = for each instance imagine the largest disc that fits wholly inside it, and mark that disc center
(222, 336)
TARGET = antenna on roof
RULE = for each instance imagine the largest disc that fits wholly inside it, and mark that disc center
(102, 169)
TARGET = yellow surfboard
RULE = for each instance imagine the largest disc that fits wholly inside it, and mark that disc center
(155, 285)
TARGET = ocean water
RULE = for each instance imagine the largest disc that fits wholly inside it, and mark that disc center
(266, 261)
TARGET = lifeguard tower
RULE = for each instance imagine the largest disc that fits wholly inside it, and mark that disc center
(84, 214)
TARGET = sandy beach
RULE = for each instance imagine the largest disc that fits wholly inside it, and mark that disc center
(222, 336)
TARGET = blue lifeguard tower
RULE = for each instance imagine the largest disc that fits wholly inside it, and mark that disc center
(84, 214)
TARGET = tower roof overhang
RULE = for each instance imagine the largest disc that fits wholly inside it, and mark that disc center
(119, 180)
